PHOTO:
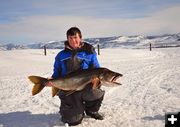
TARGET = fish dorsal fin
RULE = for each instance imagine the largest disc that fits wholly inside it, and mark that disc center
(54, 91)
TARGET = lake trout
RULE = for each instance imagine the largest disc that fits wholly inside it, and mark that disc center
(76, 81)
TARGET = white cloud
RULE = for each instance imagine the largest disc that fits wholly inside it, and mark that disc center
(44, 28)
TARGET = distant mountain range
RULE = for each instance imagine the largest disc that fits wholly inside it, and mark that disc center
(167, 40)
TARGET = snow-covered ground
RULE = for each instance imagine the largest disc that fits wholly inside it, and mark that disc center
(151, 87)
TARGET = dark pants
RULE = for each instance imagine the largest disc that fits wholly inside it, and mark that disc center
(73, 106)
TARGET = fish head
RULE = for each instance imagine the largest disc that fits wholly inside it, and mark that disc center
(108, 77)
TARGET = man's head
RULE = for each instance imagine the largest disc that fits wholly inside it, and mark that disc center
(74, 37)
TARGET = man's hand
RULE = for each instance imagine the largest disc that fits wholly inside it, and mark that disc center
(49, 78)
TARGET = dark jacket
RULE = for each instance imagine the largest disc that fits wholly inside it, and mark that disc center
(69, 60)
(73, 106)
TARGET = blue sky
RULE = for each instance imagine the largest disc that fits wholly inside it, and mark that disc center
(23, 21)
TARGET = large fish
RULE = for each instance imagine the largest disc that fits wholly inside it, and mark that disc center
(77, 80)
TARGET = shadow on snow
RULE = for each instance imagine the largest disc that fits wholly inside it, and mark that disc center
(26, 119)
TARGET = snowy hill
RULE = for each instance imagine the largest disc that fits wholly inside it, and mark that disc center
(138, 41)
(168, 40)
(49, 45)
(11, 46)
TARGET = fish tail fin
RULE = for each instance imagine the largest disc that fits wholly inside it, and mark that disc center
(54, 91)
(39, 83)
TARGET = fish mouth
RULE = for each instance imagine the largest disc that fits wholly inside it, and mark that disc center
(114, 78)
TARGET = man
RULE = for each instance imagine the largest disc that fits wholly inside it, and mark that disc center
(77, 55)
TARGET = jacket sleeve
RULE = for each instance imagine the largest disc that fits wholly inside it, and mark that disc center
(57, 68)
(94, 61)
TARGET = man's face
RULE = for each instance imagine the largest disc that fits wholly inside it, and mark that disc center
(74, 41)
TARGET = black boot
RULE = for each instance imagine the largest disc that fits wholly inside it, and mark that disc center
(95, 115)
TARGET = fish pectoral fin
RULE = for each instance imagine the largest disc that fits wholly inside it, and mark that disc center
(95, 82)
(70, 92)
(54, 91)
(98, 85)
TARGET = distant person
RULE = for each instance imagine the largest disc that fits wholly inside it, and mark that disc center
(75, 56)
